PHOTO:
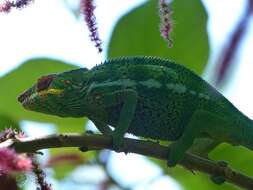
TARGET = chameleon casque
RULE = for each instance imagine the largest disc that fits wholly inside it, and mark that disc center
(148, 97)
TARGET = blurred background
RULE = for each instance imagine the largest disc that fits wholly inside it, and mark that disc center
(51, 36)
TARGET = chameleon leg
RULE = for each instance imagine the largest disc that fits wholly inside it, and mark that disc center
(202, 146)
(129, 99)
(219, 179)
(196, 126)
(103, 128)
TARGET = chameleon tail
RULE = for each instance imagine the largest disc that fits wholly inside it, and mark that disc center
(242, 133)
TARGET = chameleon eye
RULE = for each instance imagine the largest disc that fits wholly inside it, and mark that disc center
(44, 82)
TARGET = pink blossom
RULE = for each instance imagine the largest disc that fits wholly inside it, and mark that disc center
(7, 134)
(10, 133)
(8, 5)
(10, 161)
(23, 163)
(166, 23)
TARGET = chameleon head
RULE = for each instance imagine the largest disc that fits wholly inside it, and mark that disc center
(55, 94)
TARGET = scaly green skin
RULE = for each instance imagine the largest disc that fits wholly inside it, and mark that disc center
(145, 96)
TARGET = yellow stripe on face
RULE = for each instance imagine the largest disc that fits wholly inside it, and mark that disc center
(50, 91)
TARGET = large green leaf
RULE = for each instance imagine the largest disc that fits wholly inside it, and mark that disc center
(196, 180)
(192, 180)
(137, 33)
(7, 122)
(15, 82)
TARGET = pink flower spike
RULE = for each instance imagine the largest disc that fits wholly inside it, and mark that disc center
(40, 176)
(6, 7)
(87, 9)
(166, 24)
(23, 163)
(10, 161)
(18, 4)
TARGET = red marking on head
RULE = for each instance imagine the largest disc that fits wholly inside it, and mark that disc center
(44, 82)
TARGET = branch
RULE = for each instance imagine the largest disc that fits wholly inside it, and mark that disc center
(147, 148)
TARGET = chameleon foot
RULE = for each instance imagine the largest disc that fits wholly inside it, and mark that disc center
(116, 142)
(217, 179)
(175, 155)
(83, 149)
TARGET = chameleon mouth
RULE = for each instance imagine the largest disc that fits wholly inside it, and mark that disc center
(28, 96)
(22, 98)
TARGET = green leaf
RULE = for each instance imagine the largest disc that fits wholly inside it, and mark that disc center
(137, 33)
(8, 122)
(192, 180)
(238, 157)
(23, 77)
(197, 180)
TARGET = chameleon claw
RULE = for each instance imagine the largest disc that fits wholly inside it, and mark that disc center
(219, 179)
(175, 155)
(222, 163)
(83, 149)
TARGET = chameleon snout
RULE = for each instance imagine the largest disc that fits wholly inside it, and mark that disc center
(24, 96)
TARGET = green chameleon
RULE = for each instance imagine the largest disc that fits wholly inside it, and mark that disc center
(148, 97)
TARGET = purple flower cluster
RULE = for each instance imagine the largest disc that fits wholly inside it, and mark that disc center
(228, 53)
(166, 23)
(40, 176)
(8, 5)
(87, 9)
(10, 161)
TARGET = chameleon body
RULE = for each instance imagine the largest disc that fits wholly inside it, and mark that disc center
(148, 97)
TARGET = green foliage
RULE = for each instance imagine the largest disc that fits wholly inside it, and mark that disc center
(137, 33)
(239, 158)
(192, 180)
(7, 122)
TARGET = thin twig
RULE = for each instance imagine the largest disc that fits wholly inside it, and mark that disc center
(147, 148)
